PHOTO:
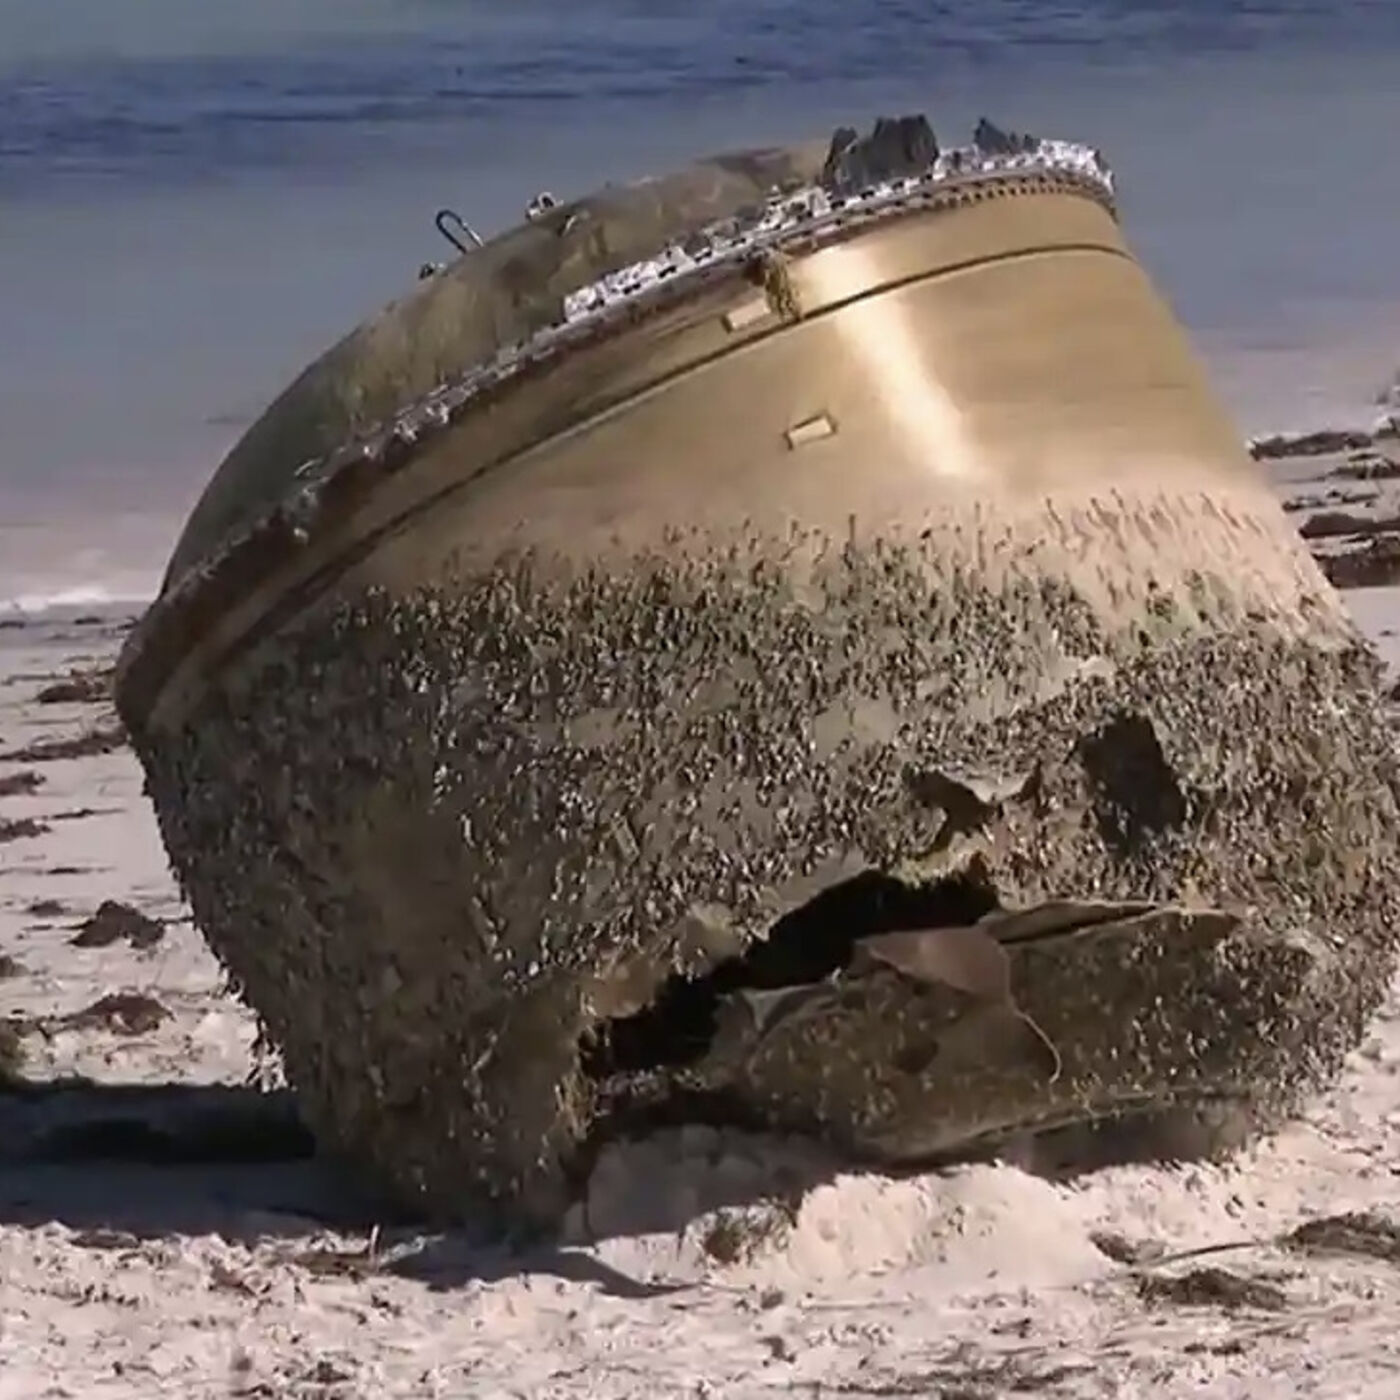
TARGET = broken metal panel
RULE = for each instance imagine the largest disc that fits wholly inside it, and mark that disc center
(907, 1068)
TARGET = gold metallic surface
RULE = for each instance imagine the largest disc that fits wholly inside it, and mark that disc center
(986, 371)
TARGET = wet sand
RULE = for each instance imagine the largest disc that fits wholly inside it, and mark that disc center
(165, 1230)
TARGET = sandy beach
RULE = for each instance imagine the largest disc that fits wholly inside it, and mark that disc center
(166, 1229)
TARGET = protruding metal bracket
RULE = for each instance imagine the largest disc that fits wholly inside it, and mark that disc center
(451, 216)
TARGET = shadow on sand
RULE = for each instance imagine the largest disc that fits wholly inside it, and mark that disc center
(118, 1164)
(123, 1163)
(161, 1159)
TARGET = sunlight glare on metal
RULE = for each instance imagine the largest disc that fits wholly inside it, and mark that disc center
(880, 335)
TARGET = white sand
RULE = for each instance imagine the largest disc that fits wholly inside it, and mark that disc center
(219, 1279)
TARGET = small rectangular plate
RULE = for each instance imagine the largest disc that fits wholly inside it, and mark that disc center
(812, 430)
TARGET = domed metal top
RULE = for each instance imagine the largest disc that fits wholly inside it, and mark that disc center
(496, 295)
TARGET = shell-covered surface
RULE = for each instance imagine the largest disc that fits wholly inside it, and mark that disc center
(914, 799)
(440, 838)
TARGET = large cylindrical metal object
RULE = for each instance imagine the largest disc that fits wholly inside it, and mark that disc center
(557, 764)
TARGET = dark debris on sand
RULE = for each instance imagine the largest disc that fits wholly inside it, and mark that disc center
(125, 1013)
(79, 687)
(1353, 549)
(1375, 565)
(114, 922)
(969, 1381)
(23, 782)
(1332, 500)
(322, 1262)
(1327, 524)
(1361, 1233)
(1319, 444)
(10, 967)
(1212, 1287)
(1366, 466)
(22, 827)
(103, 739)
(1123, 1250)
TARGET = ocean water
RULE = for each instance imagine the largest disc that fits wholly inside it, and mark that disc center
(196, 199)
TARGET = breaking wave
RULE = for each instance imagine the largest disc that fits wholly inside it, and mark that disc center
(38, 605)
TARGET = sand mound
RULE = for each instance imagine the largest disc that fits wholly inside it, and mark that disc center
(759, 1210)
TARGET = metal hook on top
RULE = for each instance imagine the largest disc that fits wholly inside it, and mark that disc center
(444, 216)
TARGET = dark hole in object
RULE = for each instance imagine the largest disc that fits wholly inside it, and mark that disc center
(1124, 760)
(805, 945)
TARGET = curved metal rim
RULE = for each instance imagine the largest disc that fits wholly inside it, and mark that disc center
(324, 489)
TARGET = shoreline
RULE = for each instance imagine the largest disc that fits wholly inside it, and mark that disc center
(166, 1230)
